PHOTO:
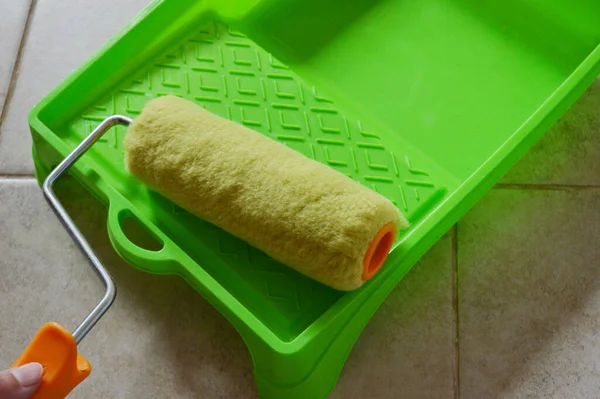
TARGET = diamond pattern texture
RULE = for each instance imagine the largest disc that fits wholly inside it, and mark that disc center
(229, 75)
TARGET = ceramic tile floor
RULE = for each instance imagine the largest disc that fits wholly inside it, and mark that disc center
(506, 305)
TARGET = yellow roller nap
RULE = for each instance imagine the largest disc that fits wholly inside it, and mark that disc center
(299, 211)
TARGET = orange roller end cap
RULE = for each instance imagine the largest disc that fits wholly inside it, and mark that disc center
(378, 251)
(64, 368)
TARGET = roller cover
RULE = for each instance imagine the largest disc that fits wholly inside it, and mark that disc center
(298, 211)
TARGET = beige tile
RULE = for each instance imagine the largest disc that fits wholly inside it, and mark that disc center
(13, 14)
(568, 153)
(407, 349)
(529, 295)
(63, 34)
(159, 340)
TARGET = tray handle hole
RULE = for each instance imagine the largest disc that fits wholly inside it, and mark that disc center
(139, 235)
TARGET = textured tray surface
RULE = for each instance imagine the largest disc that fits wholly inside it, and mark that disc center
(229, 75)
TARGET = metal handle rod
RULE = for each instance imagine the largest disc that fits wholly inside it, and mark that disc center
(110, 294)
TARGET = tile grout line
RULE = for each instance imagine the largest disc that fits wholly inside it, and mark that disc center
(544, 187)
(16, 182)
(17, 64)
(12, 177)
(17, 178)
(455, 332)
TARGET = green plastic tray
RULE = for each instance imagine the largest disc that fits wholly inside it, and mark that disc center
(427, 102)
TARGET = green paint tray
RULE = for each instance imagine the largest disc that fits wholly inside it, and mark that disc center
(427, 102)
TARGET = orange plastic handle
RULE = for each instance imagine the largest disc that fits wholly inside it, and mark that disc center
(64, 368)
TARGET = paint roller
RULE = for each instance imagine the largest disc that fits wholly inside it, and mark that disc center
(298, 211)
